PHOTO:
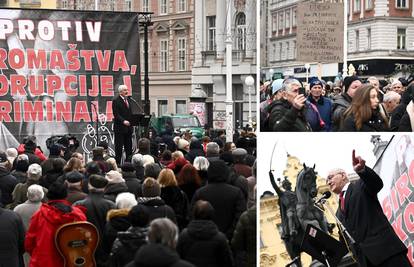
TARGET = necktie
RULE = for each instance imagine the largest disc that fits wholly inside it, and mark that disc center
(342, 200)
(126, 102)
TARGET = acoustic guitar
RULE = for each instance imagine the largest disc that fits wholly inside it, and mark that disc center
(77, 242)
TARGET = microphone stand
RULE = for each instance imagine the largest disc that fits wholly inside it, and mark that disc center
(341, 226)
(96, 122)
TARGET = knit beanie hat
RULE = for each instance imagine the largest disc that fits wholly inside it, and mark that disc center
(57, 190)
(151, 188)
(348, 81)
(74, 177)
(114, 177)
(314, 82)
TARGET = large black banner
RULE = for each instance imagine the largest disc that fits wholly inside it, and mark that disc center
(57, 68)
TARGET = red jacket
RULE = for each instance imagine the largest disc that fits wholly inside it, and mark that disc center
(40, 237)
(37, 152)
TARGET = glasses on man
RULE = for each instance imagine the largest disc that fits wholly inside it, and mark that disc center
(331, 176)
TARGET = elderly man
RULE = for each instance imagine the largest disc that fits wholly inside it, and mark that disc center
(121, 108)
(343, 101)
(287, 114)
(390, 102)
(322, 103)
(376, 243)
(397, 87)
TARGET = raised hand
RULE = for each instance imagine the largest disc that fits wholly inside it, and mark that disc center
(357, 162)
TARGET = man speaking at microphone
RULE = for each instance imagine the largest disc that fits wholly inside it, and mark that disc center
(376, 243)
(121, 109)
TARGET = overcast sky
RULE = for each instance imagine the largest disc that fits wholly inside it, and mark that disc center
(326, 150)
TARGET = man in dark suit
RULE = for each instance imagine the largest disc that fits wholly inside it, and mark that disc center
(121, 108)
(376, 243)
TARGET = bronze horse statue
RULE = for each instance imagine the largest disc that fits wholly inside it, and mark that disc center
(306, 191)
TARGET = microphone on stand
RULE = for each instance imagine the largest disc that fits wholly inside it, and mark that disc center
(325, 196)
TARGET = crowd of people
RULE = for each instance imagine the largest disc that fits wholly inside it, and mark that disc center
(352, 105)
(180, 201)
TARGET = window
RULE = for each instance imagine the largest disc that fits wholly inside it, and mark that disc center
(181, 46)
(280, 21)
(145, 5)
(274, 23)
(287, 19)
(182, 6)
(287, 50)
(401, 36)
(128, 5)
(357, 40)
(163, 55)
(180, 107)
(294, 49)
(274, 52)
(280, 51)
(163, 7)
(162, 107)
(294, 18)
(369, 38)
(357, 5)
(211, 33)
(368, 4)
(241, 31)
(401, 3)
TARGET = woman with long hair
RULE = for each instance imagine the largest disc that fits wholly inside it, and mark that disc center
(74, 164)
(189, 180)
(364, 114)
(174, 196)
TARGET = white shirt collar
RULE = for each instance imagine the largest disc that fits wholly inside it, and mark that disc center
(345, 188)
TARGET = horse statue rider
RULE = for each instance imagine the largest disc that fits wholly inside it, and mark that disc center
(291, 232)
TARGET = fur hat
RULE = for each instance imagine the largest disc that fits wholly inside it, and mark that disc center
(57, 191)
(151, 188)
(97, 181)
(348, 81)
(114, 177)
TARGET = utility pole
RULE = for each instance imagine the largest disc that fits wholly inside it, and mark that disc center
(145, 21)
(229, 75)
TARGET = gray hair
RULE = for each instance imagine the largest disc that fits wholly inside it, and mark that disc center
(163, 231)
(373, 78)
(34, 172)
(201, 163)
(212, 149)
(125, 200)
(288, 84)
(122, 87)
(35, 193)
(391, 95)
(137, 160)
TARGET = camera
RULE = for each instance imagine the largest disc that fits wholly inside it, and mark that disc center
(302, 91)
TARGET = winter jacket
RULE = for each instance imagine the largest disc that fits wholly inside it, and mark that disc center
(38, 152)
(374, 124)
(157, 255)
(40, 237)
(75, 194)
(7, 184)
(189, 189)
(202, 244)
(244, 238)
(228, 202)
(178, 201)
(26, 211)
(285, 118)
(157, 208)
(242, 169)
(116, 221)
(96, 210)
(340, 104)
(112, 190)
(126, 245)
(400, 110)
(196, 149)
(324, 106)
(12, 239)
(133, 183)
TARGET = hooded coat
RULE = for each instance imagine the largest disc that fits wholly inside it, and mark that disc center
(117, 221)
(157, 255)
(202, 244)
(40, 237)
(340, 104)
(126, 245)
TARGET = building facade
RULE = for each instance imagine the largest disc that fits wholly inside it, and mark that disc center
(209, 69)
(49, 4)
(380, 40)
(171, 48)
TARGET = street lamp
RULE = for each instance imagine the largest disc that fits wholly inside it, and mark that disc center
(249, 81)
(271, 71)
(307, 66)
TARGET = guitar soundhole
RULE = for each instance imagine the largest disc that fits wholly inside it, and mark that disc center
(80, 262)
